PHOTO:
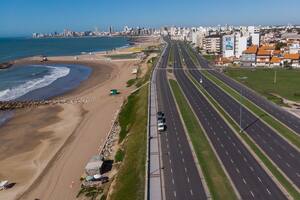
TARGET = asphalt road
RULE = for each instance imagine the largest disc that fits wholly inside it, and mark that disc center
(181, 177)
(285, 156)
(279, 113)
(250, 179)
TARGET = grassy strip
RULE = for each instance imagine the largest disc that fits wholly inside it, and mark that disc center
(281, 129)
(130, 180)
(131, 82)
(279, 176)
(171, 56)
(119, 155)
(262, 81)
(215, 177)
(122, 56)
(192, 55)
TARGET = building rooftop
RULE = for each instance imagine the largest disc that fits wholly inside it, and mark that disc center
(263, 52)
(251, 50)
(275, 59)
(294, 56)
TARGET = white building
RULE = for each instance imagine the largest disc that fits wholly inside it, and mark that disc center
(241, 43)
(212, 44)
(294, 48)
(228, 42)
(255, 38)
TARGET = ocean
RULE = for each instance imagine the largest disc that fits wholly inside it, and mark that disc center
(38, 82)
(14, 48)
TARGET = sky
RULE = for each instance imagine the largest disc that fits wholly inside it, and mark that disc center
(23, 17)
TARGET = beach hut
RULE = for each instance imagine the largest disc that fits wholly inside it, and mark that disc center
(3, 185)
(94, 165)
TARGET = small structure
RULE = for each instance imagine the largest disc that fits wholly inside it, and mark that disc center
(134, 71)
(3, 185)
(94, 165)
(44, 59)
(114, 92)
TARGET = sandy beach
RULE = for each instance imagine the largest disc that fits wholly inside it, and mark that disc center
(44, 150)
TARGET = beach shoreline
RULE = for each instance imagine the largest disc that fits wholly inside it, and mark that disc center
(64, 137)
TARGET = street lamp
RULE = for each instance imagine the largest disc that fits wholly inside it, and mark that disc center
(241, 105)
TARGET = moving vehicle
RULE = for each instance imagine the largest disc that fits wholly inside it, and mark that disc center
(161, 121)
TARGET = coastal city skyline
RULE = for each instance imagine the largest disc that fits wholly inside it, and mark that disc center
(51, 16)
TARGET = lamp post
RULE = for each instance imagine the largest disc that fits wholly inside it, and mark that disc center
(241, 105)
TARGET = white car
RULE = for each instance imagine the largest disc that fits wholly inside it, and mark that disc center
(161, 127)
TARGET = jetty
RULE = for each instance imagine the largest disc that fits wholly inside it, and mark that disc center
(13, 105)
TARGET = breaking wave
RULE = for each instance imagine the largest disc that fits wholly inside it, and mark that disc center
(20, 90)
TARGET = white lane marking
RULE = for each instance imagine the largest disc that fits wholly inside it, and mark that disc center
(237, 170)
(185, 169)
(188, 179)
(231, 160)
(227, 153)
(174, 194)
(244, 181)
(181, 152)
(279, 156)
(298, 174)
(170, 161)
(268, 191)
(292, 155)
(182, 160)
(251, 168)
(245, 159)
(287, 164)
(173, 181)
(191, 191)
(259, 179)
(252, 193)
(171, 170)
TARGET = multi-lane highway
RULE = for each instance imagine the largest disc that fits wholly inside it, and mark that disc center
(285, 117)
(181, 177)
(285, 156)
(250, 179)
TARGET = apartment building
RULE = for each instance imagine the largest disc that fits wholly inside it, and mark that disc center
(212, 44)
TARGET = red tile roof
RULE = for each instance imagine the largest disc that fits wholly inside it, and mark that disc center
(251, 50)
(275, 59)
(294, 56)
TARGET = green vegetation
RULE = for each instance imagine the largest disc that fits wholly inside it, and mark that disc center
(119, 155)
(131, 82)
(262, 81)
(171, 56)
(91, 193)
(133, 121)
(151, 63)
(279, 176)
(219, 185)
(192, 54)
(210, 58)
(281, 129)
(122, 56)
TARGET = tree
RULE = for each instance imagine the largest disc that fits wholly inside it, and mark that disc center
(279, 45)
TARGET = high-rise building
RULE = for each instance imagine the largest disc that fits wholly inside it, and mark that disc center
(228, 42)
(241, 43)
(212, 44)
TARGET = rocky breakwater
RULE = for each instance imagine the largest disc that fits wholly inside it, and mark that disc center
(5, 65)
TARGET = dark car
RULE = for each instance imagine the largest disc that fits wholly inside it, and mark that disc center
(160, 115)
